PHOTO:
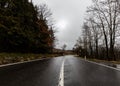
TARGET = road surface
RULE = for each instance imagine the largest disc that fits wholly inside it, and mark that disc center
(60, 71)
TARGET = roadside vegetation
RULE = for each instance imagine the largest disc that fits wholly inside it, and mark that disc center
(105, 61)
(6, 58)
(24, 29)
(100, 32)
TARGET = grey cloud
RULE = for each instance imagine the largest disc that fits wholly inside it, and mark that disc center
(71, 10)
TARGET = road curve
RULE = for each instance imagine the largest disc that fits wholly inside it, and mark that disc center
(74, 71)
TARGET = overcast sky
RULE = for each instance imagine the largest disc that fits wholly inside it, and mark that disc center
(69, 16)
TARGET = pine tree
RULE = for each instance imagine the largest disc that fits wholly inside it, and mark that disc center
(22, 30)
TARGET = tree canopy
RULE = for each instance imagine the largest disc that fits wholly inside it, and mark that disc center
(24, 27)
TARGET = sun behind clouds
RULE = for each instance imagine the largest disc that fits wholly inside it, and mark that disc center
(62, 24)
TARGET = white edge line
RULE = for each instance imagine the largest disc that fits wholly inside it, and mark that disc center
(101, 65)
(17, 63)
(61, 78)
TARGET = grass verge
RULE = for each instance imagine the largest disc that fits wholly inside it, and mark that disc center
(6, 58)
(104, 61)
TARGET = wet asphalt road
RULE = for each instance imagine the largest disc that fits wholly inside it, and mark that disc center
(77, 72)
(41, 73)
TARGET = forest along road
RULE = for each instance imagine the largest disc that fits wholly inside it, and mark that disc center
(61, 71)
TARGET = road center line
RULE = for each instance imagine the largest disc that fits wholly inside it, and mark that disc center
(61, 78)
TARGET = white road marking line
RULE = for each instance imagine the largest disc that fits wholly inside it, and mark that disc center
(102, 65)
(18, 63)
(61, 78)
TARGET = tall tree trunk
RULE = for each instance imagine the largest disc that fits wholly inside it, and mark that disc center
(96, 45)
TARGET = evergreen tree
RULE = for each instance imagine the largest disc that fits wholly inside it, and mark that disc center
(24, 28)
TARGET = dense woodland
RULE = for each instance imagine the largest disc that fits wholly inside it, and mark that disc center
(100, 37)
(25, 28)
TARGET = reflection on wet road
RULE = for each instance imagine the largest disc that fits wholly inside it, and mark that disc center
(79, 72)
(71, 70)
(41, 73)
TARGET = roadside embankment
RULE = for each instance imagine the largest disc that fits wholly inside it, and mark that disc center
(6, 58)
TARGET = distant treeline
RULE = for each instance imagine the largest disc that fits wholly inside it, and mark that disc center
(25, 28)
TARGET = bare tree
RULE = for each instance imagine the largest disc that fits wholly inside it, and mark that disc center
(87, 39)
(95, 33)
(45, 23)
(80, 48)
(106, 11)
(44, 13)
(64, 47)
